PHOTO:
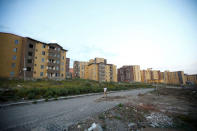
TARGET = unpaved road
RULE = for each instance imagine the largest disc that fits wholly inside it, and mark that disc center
(57, 115)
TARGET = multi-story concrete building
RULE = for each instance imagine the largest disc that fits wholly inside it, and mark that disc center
(129, 73)
(96, 69)
(167, 77)
(24, 57)
(146, 75)
(67, 67)
(80, 69)
(191, 79)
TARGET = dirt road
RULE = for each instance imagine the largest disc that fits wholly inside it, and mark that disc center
(57, 115)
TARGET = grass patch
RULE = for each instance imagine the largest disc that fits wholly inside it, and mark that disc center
(36, 89)
(120, 105)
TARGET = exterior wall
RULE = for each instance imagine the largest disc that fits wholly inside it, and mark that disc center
(91, 61)
(38, 71)
(30, 54)
(101, 72)
(8, 66)
(142, 72)
(118, 75)
(67, 63)
(93, 72)
(82, 66)
(86, 72)
(137, 74)
(181, 77)
(155, 75)
(148, 75)
(95, 69)
(130, 73)
(76, 69)
(171, 78)
(191, 78)
(114, 74)
(64, 65)
(107, 73)
(100, 60)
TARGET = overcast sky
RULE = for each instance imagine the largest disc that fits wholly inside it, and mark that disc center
(158, 34)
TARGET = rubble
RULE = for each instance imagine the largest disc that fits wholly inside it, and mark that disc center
(95, 127)
(157, 119)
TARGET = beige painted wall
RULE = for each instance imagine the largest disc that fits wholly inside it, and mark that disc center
(7, 42)
(63, 64)
(38, 61)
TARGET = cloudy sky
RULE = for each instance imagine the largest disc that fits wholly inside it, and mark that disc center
(161, 34)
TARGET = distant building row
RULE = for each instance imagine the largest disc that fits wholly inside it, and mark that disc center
(132, 73)
(96, 69)
(24, 57)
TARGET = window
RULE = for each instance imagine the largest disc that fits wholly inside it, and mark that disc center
(43, 52)
(12, 73)
(58, 56)
(62, 75)
(30, 53)
(62, 63)
(42, 59)
(62, 69)
(43, 46)
(16, 42)
(57, 68)
(41, 73)
(31, 46)
(58, 61)
(34, 72)
(42, 66)
(15, 49)
(28, 68)
(63, 57)
(13, 65)
(29, 61)
(56, 74)
(36, 57)
(14, 57)
(35, 64)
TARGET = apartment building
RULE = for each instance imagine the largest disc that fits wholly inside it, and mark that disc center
(175, 78)
(24, 57)
(96, 69)
(80, 69)
(167, 77)
(129, 73)
(146, 75)
(191, 79)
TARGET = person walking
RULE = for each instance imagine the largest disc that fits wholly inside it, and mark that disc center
(105, 92)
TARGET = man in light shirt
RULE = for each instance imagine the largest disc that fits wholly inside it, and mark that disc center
(105, 92)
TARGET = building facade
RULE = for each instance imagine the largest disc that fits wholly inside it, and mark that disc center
(96, 69)
(129, 73)
(191, 79)
(24, 57)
